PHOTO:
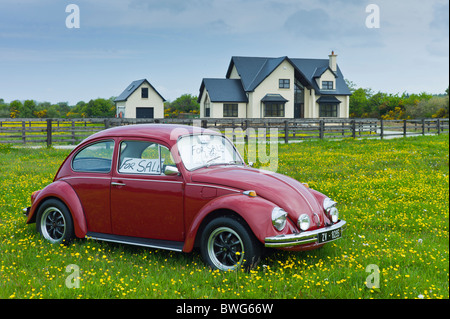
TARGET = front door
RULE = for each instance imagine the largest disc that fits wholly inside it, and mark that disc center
(145, 202)
(299, 101)
(299, 110)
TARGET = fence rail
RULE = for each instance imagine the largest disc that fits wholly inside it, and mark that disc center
(72, 131)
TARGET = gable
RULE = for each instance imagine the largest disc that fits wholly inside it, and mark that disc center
(312, 67)
(132, 88)
(254, 70)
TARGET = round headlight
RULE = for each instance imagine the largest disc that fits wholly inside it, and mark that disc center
(303, 222)
(334, 214)
(279, 218)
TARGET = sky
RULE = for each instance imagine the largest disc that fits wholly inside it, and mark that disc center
(400, 46)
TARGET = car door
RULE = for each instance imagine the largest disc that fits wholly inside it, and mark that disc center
(91, 180)
(144, 201)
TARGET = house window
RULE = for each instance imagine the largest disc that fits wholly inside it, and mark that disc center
(328, 110)
(274, 110)
(230, 110)
(284, 83)
(144, 93)
(327, 85)
(207, 108)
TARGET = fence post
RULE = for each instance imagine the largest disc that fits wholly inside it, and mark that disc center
(286, 132)
(381, 128)
(23, 132)
(353, 128)
(73, 132)
(423, 126)
(49, 133)
(321, 129)
(438, 124)
(404, 128)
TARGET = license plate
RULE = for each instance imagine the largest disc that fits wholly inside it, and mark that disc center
(329, 235)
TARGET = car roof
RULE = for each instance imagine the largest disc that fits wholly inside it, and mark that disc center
(165, 132)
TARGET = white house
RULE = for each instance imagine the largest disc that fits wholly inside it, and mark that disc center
(261, 87)
(140, 100)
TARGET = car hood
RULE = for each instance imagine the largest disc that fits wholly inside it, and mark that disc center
(282, 190)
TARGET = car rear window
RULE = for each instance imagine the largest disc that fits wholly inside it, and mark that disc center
(96, 157)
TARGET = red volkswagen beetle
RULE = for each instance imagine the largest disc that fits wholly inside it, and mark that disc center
(179, 187)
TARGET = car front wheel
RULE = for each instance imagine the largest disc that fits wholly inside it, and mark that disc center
(54, 222)
(227, 244)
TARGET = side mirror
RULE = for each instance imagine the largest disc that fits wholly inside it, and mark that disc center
(171, 171)
(250, 164)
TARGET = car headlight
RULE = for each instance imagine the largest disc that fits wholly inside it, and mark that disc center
(330, 207)
(303, 222)
(279, 218)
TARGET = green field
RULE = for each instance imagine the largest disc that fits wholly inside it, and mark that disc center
(394, 195)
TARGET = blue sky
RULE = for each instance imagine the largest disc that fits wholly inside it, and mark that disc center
(176, 43)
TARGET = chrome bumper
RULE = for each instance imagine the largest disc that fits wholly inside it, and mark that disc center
(303, 238)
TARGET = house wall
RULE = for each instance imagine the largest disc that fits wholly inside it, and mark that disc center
(327, 76)
(135, 100)
(271, 85)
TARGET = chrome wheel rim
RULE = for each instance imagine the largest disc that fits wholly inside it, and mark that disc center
(225, 248)
(53, 225)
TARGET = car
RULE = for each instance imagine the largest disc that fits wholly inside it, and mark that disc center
(180, 187)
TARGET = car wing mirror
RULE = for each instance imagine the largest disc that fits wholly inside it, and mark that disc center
(171, 171)
(250, 164)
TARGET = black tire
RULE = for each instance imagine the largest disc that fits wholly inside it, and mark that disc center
(54, 222)
(226, 244)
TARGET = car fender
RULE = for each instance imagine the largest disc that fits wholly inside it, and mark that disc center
(256, 211)
(65, 193)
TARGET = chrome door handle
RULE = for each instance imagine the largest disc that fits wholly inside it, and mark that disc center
(117, 184)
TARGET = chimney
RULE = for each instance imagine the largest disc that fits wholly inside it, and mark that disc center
(332, 63)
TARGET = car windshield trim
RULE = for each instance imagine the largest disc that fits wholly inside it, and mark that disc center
(205, 150)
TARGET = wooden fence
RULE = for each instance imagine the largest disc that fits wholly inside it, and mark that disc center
(72, 131)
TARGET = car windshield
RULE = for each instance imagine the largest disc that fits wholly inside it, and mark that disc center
(204, 150)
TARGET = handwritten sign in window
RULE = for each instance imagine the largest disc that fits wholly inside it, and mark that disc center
(140, 166)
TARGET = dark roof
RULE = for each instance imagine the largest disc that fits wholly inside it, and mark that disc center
(274, 98)
(327, 99)
(223, 90)
(133, 87)
(253, 70)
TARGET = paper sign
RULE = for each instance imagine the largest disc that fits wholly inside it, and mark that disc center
(140, 166)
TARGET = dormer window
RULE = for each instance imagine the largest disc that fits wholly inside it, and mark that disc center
(327, 85)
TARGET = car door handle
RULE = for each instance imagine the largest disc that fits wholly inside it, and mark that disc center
(117, 184)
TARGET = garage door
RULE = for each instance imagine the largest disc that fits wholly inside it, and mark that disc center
(144, 112)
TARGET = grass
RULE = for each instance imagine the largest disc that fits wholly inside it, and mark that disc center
(394, 195)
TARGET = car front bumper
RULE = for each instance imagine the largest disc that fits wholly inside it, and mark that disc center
(320, 236)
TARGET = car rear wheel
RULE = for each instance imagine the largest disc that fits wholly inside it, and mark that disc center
(227, 244)
(54, 222)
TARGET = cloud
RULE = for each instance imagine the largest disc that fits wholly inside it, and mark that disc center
(311, 24)
(440, 20)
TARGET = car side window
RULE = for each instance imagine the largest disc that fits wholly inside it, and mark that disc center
(96, 157)
(142, 157)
